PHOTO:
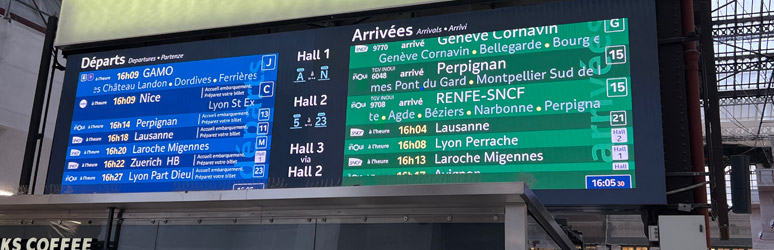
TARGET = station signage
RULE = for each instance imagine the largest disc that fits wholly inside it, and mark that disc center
(567, 103)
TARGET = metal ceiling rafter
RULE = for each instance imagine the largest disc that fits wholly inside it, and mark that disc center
(743, 31)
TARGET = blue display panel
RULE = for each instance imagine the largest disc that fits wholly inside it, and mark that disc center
(169, 124)
(608, 181)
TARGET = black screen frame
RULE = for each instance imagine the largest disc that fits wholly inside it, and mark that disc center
(647, 108)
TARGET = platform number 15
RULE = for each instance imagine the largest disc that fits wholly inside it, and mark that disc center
(615, 54)
(617, 87)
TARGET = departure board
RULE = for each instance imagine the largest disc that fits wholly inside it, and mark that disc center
(174, 123)
(565, 101)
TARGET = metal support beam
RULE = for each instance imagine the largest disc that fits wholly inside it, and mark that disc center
(714, 138)
(673, 97)
(546, 221)
(742, 93)
(515, 226)
(33, 134)
(7, 15)
(109, 228)
(692, 86)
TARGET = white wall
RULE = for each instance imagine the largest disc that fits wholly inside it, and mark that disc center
(20, 49)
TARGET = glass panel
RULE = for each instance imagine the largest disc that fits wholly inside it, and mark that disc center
(12, 231)
(67, 229)
(538, 238)
(285, 237)
(136, 237)
(273, 237)
(446, 236)
(322, 236)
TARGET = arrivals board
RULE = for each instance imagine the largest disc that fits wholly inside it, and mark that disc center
(563, 96)
(497, 105)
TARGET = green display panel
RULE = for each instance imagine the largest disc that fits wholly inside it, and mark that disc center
(549, 105)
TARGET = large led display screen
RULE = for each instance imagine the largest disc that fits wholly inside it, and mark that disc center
(563, 96)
